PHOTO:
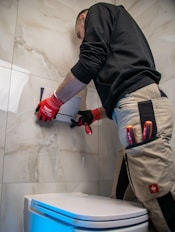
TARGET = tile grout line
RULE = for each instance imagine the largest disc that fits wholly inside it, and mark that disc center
(5, 140)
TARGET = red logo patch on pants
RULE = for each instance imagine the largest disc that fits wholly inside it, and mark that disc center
(153, 188)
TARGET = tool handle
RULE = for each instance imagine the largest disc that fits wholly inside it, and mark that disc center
(147, 130)
(88, 129)
(131, 135)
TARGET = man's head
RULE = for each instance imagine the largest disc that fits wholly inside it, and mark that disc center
(80, 24)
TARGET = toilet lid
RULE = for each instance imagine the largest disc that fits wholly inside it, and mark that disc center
(89, 211)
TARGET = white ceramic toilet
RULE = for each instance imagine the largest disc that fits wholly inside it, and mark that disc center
(65, 212)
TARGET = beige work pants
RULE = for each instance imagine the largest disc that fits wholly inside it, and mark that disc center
(150, 164)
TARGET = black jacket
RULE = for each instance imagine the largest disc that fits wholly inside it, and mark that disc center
(115, 54)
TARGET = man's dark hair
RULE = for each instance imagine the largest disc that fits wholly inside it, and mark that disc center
(81, 12)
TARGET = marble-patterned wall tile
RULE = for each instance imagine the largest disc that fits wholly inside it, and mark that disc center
(168, 88)
(31, 167)
(45, 42)
(91, 187)
(4, 93)
(108, 133)
(80, 5)
(23, 132)
(8, 13)
(105, 188)
(77, 5)
(24, 97)
(76, 138)
(35, 147)
(109, 146)
(50, 166)
(161, 35)
(107, 1)
(79, 166)
(29, 145)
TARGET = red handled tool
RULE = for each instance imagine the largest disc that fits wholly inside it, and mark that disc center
(131, 135)
(88, 129)
(147, 130)
(80, 123)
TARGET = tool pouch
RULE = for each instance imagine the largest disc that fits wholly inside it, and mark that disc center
(149, 167)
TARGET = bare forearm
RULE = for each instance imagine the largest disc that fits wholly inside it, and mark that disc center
(69, 87)
(102, 112)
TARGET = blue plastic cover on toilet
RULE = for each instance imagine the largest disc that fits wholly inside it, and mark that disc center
(88, 211)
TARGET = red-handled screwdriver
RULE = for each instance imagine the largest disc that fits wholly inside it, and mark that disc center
(147, 130)
(131, 135)
(88, 129)
(80, 123)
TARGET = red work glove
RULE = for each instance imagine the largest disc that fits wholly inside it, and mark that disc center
(89, 116)
(48, 108)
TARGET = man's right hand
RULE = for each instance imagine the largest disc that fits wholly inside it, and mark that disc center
(89, 116)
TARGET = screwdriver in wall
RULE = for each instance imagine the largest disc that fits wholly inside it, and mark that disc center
(131, 135)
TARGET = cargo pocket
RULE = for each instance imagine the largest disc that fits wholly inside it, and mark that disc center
(149, 166)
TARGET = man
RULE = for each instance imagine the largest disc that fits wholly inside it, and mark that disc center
(116, 56)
